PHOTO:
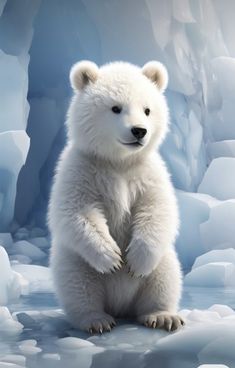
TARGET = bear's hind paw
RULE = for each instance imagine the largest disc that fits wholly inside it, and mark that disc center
(98, 323)
(164, 320)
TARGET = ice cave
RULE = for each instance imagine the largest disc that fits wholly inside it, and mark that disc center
(39, 42)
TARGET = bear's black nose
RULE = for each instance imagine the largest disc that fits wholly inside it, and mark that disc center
(138, 132)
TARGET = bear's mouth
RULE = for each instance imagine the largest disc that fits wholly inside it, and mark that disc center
(133, 144)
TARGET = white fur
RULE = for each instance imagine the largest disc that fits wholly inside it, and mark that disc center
(114, 203)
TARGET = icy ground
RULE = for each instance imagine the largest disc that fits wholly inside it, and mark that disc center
(34, 332)
(44, 338)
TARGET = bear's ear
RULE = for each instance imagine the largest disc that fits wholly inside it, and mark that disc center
(157, 73)
(83, 73)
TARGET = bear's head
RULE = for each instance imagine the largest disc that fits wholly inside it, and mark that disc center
(118, 110)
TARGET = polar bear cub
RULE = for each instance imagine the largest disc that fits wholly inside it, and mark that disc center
(113, 214)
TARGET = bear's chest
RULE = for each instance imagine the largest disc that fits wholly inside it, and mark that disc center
(118, 194)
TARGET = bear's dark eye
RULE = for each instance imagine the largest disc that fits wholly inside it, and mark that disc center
(147, 111)
(116, 109)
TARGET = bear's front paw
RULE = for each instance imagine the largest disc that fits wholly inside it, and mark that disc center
(142, 258)
(108, 259)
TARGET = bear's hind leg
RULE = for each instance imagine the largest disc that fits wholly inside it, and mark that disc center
(157, 301)
(81, 293)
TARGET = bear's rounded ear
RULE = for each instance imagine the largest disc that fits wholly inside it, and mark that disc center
(157, 73)
(83, 73)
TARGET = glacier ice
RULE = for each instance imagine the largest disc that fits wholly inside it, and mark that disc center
(6, 240)
(213, 274)
(8, 325)
(213, 269)
(11, 283)
(225, 255)
(221, 149)
(218, 231)
(14, 148)
(194, 211)
(219, 179)
(28, 347)
(28, 249)
(38, 277)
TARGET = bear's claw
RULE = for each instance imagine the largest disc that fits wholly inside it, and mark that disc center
(162, 320)
(98, 323)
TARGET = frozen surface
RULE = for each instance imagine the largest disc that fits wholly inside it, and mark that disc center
(40, 336)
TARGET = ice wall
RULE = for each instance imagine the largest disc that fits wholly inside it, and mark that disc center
(40, 40)
(15, 39)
